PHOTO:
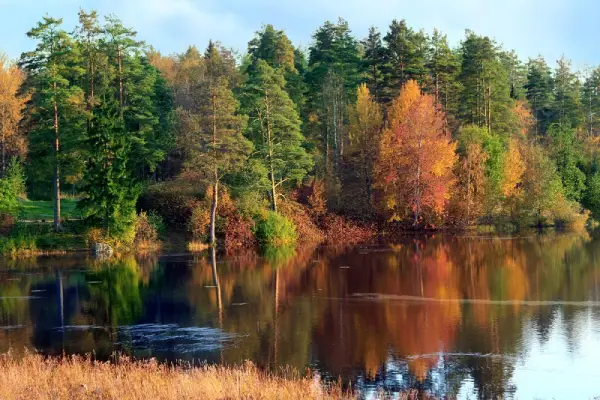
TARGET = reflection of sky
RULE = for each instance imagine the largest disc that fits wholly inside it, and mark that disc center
(560, 365)
(558, 368)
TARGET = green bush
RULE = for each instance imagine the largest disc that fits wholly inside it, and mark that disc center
(275, 231)
(12, 187)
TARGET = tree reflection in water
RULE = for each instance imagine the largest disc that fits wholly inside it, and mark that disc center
(437, 313)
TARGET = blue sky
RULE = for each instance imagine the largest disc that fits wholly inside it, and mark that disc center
(531, 27)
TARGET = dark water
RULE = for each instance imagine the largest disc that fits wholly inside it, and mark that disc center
(471, 317)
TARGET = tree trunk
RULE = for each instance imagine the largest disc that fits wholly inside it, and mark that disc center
(2, 143)
(468, 188)
(215, 197)
(120, 62)
(270, 149)
(273, 190)
(213, 212)
(57, 225)
(91, 94)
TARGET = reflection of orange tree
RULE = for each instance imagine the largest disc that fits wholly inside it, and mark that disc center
(366, 330)
(301, 306)
(429, 327)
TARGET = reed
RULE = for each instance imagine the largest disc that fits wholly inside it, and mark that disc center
(35, 377)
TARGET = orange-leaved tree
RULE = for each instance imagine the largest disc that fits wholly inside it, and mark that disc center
(11, 108)
(413, 171)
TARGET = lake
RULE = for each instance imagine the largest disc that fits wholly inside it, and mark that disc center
(451, 316)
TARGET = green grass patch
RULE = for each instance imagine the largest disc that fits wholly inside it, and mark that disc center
(37, 238)
(39, 210)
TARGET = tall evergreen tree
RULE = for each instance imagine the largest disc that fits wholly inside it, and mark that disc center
(276, 49)
(590, 100)
(407, 56)
(88, 35)
(517, 74)
(332, 76)
(374, 60)
(275, 129)
(566, 108)
(110, 189)
(540, 93)
(443, 65)
(213, 129)
(143, 96)
(485, 94)
(56, 106)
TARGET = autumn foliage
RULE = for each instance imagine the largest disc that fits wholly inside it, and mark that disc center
(12, 143)
(413, 171)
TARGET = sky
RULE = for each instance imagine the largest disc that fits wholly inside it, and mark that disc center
(551, 28)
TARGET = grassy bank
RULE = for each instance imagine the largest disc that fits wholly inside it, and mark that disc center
(27, 239)
(39, 210)
(75, 378)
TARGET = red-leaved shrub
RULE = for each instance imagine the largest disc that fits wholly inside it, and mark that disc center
(340, 230)
(239, 234)
(306, 229)
(7, 222)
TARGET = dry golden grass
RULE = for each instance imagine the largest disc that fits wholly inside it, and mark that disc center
(33, 377)
(196, 246)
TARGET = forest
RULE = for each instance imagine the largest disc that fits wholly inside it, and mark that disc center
(338, 141)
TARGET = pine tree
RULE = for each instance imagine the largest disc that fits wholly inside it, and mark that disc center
(274, 47)
(485, 94)
(566, 108)
(213, 130)
(517, 74)
(57, 103)
(144, 98)
(374, 60)
(443, 65)
(540, 93)
(591, 103)
(332, 76)
(275, 129)
(120, 44)
(110, 189)
(88, 35)
(407, 56)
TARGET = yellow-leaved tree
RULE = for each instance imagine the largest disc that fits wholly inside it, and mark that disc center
(413, 172)
(366, 121)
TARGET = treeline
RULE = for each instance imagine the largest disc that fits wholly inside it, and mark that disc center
(401, 129)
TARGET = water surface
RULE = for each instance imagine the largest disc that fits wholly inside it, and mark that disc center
(452, 316)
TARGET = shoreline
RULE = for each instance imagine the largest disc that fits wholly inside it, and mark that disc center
(36, 377)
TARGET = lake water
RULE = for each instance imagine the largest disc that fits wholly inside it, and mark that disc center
(451, 316)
